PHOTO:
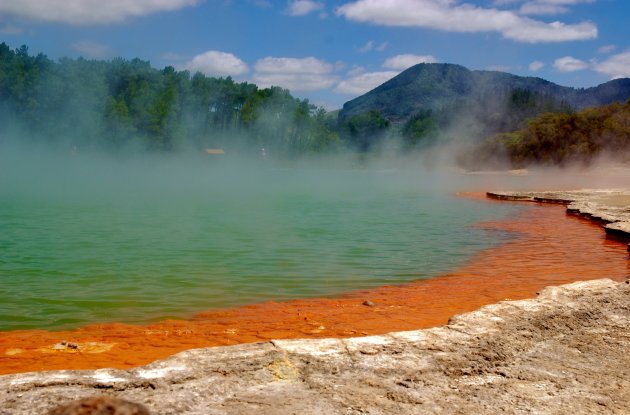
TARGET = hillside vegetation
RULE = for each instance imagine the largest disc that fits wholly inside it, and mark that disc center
(127, 105)
(442, 86)
(433, 103)
(560, 139)
(120, 105)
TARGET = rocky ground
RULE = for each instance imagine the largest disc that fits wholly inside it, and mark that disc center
(565, 351)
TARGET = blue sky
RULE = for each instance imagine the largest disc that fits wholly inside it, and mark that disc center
(333, 51)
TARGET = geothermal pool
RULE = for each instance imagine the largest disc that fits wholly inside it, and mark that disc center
(86, 239)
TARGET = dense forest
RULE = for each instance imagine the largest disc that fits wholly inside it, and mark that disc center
(127, 105)
(121, 104)
(559, 139)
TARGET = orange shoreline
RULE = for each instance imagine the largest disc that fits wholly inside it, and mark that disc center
(553, 248)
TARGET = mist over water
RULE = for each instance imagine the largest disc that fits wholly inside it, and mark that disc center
(88, 238)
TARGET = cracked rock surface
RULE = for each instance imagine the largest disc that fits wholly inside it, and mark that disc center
(565, 351)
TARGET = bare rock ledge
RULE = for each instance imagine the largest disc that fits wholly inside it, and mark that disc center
(565, 351)
(610, 207)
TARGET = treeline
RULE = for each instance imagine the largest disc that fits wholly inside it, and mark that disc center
(468, 119)
(122, 104)
(560, 139)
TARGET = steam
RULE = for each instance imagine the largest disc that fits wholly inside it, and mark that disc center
(102, 199)
(142, 235)
(41, 171)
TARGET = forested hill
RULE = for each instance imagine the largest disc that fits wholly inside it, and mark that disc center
(121, 104)
(559, 139)
(435, 86)
(127, 104)
(488, 101)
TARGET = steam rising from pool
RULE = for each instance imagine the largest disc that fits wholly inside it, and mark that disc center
(88, 238)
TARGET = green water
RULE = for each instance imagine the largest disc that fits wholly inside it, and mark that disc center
(84, 241)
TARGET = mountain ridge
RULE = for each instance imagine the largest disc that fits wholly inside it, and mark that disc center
(438, 86)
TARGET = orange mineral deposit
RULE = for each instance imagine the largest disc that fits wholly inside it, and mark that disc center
(551, 248)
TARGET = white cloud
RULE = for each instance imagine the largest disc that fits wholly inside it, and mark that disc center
(216, 63)
(549, 6)
(293, 65)
(617, 66)
(569, 64)
(536, 66)
(381, 47)
(450, 15)
(88, 12)
(606, 49)
(407, 60)
(303, 7)
(537, 32)
(360, 84)
(94, 50)
(367, 47)
(370, 45)
(296, 74)
(542, 8)
(339, 65)
(356, 70)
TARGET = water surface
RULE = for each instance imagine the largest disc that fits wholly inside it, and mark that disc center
(86, 239)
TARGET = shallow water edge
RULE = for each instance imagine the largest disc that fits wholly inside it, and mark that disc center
(560, 352)
(553, 248)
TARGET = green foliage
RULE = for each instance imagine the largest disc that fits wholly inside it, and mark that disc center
(474, 104)
(364, 130)
(420, 130)
(561, 138)
(120, 104)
